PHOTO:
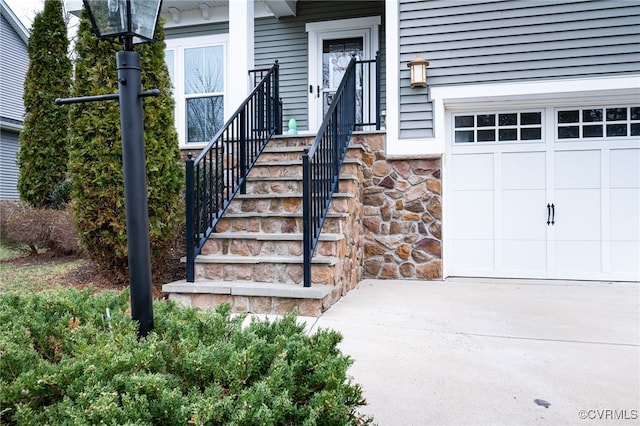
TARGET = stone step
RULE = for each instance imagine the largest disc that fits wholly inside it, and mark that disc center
(290, 141)
(290, 202)
(270, 269)
(270, 244)
(275, 222)
(292, 168)
(255, 260)
(252, 297)
(283, 184)
(282, 153)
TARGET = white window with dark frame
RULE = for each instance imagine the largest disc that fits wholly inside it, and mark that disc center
(597, 122)
(499, 127)
(197, 69)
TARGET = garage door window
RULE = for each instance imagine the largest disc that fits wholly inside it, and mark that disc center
(525, 126)
(609, 122)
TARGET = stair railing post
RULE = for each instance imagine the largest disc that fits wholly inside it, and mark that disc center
(243, 152)
(189, 202)
(306, 219)
(277, 102)
(378, 90)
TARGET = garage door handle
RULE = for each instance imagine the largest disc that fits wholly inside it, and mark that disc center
(548, 214)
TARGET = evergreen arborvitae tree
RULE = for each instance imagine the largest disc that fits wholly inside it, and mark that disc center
(95, 151)
(43, 150)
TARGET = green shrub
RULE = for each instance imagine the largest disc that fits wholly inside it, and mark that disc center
(43, 147)
(64, 360)
(61, 195)
(95, 152)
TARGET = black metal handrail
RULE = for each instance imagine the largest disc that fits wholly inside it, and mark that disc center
(215, 177)
(367, 103)
(322, 163)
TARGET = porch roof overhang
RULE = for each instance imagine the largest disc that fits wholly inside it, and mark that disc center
(182, 13)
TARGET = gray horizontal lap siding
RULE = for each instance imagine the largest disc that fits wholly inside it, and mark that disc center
(197, 31)
(9, 145)
(488, 41)
(12, 72)
(285, 39)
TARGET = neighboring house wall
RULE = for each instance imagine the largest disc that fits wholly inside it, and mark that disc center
(475, 42)
(13, 71)
(285, 39)
(13, 41)
(9, 146)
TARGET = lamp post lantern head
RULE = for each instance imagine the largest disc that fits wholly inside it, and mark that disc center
(133, 21)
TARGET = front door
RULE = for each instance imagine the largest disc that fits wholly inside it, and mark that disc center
(336, 55)
(332, 44)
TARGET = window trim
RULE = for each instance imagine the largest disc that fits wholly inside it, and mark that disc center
(178, 46)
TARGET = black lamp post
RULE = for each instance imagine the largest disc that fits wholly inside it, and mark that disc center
(132, 21)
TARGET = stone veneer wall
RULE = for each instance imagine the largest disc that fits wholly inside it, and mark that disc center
(402, 219)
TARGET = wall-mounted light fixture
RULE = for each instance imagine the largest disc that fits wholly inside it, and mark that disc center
(418, 71)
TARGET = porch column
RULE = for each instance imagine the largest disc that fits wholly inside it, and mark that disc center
(240, 55)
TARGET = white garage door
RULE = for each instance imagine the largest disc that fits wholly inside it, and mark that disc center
(548, 193)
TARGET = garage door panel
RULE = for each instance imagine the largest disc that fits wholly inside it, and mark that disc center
(625, 214)
(578, 215)
(473, 215)
(577, 169)
(578, 259)
(524, 215)
(525, 257)
(473, 172)
(624, 168)
(524, 170)
(473, 257)
(625, 260)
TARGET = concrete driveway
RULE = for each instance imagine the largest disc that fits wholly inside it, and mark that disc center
(493, 352)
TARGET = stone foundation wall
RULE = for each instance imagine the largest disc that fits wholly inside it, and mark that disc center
(402, 214)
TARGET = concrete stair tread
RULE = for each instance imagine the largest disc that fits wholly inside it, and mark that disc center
(269, 236)
(291, 178)
(251, 260)
(248, 288)
(287, 215)
(285, 149)
(271, 195)
(299, 162)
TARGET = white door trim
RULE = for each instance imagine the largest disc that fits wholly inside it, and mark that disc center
(367, 28)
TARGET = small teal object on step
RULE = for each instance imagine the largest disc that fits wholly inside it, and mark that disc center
(293, 127)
